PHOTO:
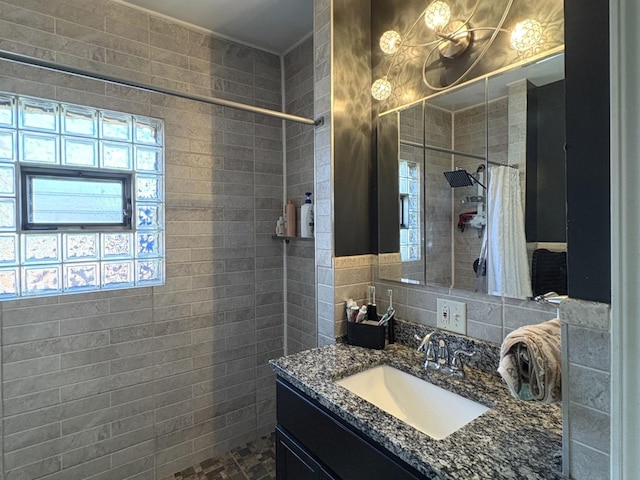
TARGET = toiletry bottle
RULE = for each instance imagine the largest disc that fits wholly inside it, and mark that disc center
(306, 217)
(290, 215)
(280, 227)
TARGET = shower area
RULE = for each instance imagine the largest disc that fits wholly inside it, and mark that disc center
(464, 142)
(142, 382)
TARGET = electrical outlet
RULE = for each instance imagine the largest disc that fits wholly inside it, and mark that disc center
(452, 316)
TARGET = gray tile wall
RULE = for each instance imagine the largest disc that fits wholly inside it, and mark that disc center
(301, 278)
(141, 383)
(489, 318)
(324, 248)
(470, 131)
(587, 394)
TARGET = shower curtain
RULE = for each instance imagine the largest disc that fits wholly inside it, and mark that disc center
(505, 246)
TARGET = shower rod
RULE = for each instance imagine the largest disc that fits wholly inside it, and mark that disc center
(37, 62)
(453, 152)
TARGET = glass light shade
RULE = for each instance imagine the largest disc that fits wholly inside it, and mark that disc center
(437, 15)
(526, 34)
(390, 42)
(381, 89)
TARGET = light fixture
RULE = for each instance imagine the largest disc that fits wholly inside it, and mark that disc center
(526, 35)
(437, 15)
(390, 42)
(381, 89)
(451, 39)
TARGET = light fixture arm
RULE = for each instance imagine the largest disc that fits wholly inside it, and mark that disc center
(496, 30)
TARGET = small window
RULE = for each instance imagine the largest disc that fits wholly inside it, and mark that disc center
(81, 199)
(56, 198)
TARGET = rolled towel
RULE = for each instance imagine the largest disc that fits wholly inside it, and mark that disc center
(530, 362)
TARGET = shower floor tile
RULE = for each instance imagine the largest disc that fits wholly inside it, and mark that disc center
(254, 461)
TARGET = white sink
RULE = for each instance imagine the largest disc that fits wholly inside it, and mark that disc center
(426, 407)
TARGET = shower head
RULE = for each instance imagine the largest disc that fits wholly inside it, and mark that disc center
(461, 178)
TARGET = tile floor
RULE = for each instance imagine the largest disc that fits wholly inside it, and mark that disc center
(254, 461)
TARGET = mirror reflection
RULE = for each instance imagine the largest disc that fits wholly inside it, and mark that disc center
(471, 185)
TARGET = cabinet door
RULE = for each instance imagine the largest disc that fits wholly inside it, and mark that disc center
(294, 463)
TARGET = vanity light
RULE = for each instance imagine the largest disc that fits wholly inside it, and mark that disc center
(381, 89)
(526, 35)
(390, 42)
(452, 38)
(437, 15)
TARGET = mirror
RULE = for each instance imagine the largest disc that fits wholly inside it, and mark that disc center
(432, 232)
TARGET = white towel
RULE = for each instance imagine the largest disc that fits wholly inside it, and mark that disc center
(530, 362)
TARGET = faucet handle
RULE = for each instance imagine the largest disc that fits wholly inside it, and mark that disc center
(456, 363)
(443, 353)
(424, 342)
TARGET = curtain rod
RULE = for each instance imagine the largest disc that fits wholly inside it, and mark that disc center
(434, 148)
(28, 60)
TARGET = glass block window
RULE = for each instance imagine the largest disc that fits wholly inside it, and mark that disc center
(409, 177)
(81, 198)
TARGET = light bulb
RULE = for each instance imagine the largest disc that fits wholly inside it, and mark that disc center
(526, 34)
(390, 42)
(437, 15)
(381, 89)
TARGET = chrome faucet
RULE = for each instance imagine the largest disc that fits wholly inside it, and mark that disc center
(436, 354)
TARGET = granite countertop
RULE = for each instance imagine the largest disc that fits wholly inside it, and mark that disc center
(513, 440)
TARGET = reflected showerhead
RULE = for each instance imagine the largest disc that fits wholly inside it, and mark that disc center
(459, 178)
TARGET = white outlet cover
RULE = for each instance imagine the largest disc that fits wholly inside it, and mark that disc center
(455, 319)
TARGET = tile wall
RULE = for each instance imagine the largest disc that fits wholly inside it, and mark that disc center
(324, 245)
(587, 395)
(300, 253)
(141, 383)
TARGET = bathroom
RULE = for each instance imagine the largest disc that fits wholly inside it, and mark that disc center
(141, 383)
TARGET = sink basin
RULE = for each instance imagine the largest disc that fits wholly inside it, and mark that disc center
(426, 407)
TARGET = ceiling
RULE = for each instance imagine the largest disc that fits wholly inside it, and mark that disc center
(272, 25)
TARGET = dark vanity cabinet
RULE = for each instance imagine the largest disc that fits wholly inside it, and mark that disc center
(294, 461)
(312, 443)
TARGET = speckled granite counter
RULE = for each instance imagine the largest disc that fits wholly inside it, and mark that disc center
(513, 440)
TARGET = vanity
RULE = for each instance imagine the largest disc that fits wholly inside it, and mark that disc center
(326, 432)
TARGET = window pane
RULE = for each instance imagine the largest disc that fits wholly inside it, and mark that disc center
(81, 276)
(148, 216)
(148, 159)
(39, 148)
(8, 249)
(116, 274)
(7, 214)
(9, 283)
(7, 179)
(38, 115)
(80, 152)
(7, 145)
(117, 245)
(148, 271)
(116, 155)
(81, 247)
(7, 111)
(74, 201)
(41, 281)
(40, 248)
(148, 188)
(148, 130)
(115, 126)
(80, 121)
(148, 244)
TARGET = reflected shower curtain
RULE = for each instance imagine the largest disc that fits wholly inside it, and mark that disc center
(505, 246)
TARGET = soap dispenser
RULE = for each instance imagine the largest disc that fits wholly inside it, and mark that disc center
(306, 217)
